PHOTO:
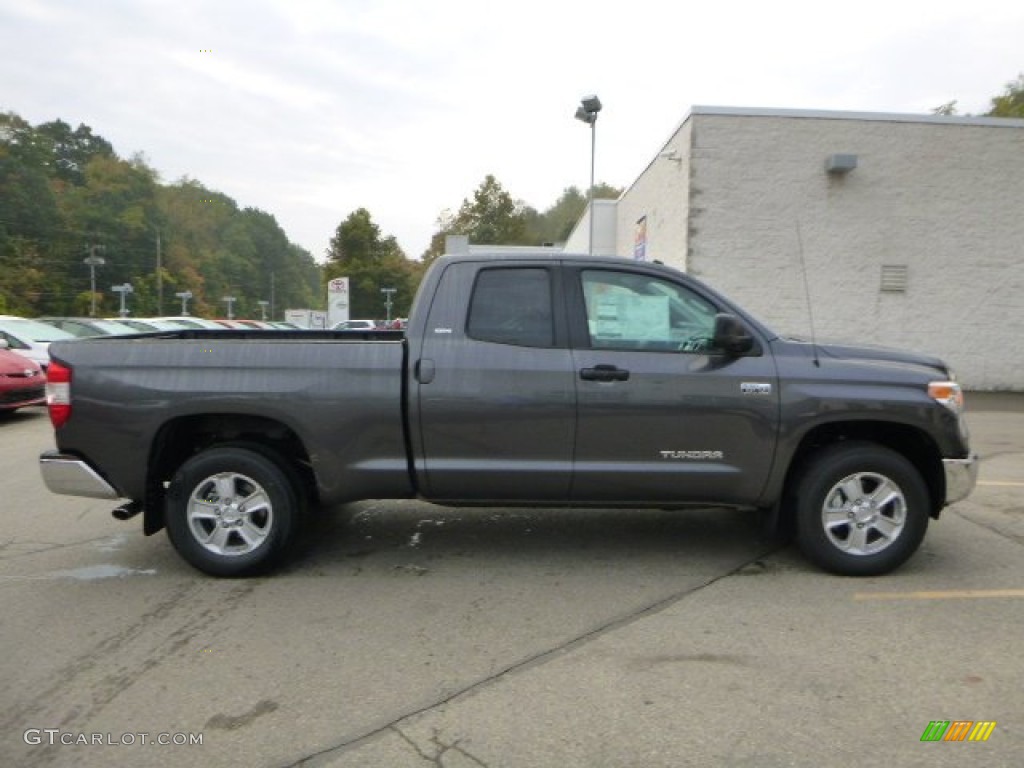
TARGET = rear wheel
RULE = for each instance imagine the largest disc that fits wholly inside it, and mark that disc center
(232, 511)
(861, 509)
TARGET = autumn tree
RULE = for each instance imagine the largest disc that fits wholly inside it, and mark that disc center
(65, 193)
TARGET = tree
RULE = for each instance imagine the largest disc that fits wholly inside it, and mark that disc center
(490, 217)
(371, 262)
(72, 150)
(1011, 102)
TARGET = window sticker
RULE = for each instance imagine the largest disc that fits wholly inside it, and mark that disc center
(630, 317)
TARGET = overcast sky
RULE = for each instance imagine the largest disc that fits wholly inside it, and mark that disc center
(310, 109)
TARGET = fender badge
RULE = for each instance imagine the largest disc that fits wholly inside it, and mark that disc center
(755, 388)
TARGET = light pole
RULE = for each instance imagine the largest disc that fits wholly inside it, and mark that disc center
(124, 290)
(184, 296)
(93, 261)
(263, 309)
(229, 300)
(388, 293)
(587, 113)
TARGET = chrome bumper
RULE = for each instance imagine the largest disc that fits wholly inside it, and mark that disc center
(71, 476)
(961, 477)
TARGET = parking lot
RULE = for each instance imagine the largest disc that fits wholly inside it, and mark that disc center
(411, 635)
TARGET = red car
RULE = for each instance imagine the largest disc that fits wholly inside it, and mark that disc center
(22, 381)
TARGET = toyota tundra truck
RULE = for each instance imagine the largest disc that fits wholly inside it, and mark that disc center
(540, 381)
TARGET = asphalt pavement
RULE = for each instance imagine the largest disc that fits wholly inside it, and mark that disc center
(412, 635)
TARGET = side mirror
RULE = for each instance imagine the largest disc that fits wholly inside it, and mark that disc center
(731, 336)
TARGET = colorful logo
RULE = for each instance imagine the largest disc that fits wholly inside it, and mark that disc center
(958, 730)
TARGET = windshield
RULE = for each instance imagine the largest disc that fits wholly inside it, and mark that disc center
(113, 327)
(33, 330)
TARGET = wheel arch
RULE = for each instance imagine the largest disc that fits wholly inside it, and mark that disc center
(183, 437)
(910, 442)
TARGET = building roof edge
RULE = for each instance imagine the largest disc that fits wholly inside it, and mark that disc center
(888, 117)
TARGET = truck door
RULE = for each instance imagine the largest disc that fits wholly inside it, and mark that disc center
(495, 391)
(662, 415)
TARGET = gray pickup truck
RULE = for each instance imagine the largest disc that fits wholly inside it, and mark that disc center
(520, 380)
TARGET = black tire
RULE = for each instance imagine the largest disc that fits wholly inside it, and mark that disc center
(209, 523)
(861, 509)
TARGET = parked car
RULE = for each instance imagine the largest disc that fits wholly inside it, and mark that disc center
(22, 381)
(260, 325)
(30, 338)
(84, 327)
(149, 325)
(355, 325)
(189, 321)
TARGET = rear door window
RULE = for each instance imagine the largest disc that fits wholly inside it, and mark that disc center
(512, 306)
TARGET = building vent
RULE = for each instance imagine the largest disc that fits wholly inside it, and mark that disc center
(894, 278)
(840, 164)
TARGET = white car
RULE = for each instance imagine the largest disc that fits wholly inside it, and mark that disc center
(30, 338)
(355, 325)
(188, 321)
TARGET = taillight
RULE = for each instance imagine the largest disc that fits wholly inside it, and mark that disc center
(58, 393)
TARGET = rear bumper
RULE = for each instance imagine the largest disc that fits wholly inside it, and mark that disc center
(71, 476)
(961, 477)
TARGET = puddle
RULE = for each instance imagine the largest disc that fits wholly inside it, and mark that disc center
(112, 544)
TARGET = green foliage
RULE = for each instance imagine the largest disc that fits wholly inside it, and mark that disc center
(371, 262)
(72, 150)
(1010, 103)
(492, 217)
(64, 191)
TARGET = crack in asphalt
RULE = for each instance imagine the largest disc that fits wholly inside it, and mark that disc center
(437, 758)
(100, 672)
(1011, 537)
(42, 546)
(538, 659)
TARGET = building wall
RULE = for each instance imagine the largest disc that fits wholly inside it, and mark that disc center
(661, 198)
(942, 198)
(605, 226)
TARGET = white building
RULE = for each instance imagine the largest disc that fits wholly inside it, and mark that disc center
(908, 230)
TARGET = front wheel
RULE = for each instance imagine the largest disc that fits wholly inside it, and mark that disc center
(232, 511)
(861, 509)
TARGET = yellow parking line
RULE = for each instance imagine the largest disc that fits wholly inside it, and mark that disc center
(1001, 484)
(952, 594)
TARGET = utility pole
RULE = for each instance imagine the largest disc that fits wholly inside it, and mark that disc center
(388, 293)
(93, 261)
(159, 278)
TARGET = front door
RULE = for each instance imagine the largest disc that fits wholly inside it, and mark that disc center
(662, 415)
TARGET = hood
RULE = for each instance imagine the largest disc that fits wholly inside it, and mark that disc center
(881, 355)
(883, 361)
(13, 364)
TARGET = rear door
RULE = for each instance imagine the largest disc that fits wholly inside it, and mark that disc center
(495, 387)
(663, 416)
